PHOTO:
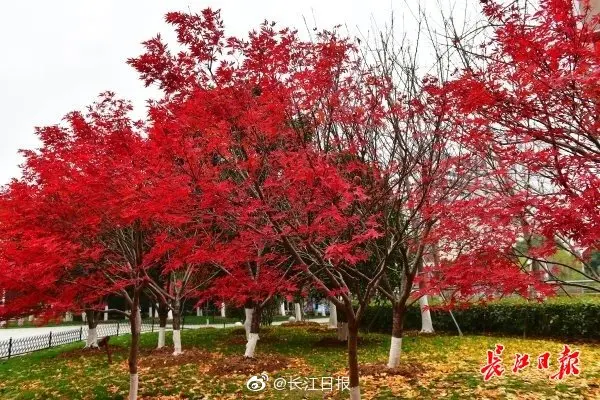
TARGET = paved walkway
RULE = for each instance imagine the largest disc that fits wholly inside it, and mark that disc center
(16, 333)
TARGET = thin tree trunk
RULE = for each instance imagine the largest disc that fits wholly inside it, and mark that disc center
(163, 313)
(536, 269)
(426, 322)
(135, 323)
(282, 308)
(342, 325)
(248, 311)
(353, 360)
(298, 311)
(254, 331)
(176, 329)
(397, 333)
(91, 317)
(332, 315)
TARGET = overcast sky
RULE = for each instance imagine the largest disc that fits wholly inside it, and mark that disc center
(58, 55)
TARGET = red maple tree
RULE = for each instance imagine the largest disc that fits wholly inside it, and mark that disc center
(529, 101)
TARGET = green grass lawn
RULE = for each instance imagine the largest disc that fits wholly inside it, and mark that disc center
(434, 367)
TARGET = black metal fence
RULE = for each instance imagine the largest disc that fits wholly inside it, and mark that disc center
(22, 345)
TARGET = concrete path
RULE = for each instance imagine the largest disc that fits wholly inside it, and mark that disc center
(17, 333)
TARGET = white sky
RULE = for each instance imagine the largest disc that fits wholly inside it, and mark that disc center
(58, 55)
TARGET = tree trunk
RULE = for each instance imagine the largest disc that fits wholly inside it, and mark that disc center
(426, 322)
(342, 325)
(536, 268)
(332, 315)
(254, 331)
(135, 322)
(248, 311)
(298, 311)
(163, 313)
(397, 333)
(176, 329)
(282, 308)
(91, 317)
(353, 360)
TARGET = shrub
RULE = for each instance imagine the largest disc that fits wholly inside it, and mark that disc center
(564, 320)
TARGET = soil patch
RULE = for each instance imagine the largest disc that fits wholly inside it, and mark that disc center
(331, 341)
(237, 340)
(160, 358)
(90, 352)
(265, 337)
(321, 328)
(243, 365)
(300, 324)
(238, 331)
(241, 331)
(380, 370)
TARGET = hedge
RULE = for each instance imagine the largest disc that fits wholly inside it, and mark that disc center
(549, 320)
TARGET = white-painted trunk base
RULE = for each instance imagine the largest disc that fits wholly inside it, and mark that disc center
(298, 311)
(92, 338)
(133, 386)
(251, 345)
(161, 337)
(332, 315)
(223, 310)
(355, 393)
(395, 351)
(342, 331)
(426, 322)
(248, 321)
(282, 308)
(177, 342)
